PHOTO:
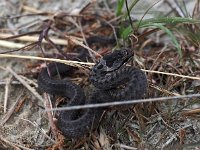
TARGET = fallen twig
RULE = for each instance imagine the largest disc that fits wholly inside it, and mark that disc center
(11, 110)
(79, 64)
(9, 44)
(6, 93)
(172, 74)
(128, 102)
(50, 116)
(32, 90)
(191, 112)
(27, 38)
(14, 145)
(41, 130)
(72, 63)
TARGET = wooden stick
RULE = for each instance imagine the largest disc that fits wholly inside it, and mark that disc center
(27, 38)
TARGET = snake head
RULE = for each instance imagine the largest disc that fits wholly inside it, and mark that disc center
(112, 61)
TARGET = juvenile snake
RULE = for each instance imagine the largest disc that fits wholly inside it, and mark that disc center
(107, 76)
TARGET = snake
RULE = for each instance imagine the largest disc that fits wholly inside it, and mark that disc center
(112, 80)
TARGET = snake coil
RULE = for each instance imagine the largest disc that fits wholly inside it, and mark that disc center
(106, 75)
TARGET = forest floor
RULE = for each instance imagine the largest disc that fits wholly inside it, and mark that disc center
(172, 69)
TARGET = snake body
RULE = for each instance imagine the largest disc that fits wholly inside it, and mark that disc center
(106, 75)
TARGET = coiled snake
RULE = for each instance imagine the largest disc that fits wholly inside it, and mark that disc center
(107, 76)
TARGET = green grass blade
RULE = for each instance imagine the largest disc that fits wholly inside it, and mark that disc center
(165, 20)
(161, 20)
(131, 7)
(124, 33)
(120, 4)
(171, 35)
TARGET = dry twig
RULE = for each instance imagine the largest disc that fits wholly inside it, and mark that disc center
(27, 38)
(6, 93)
(128, 102)
(12, 109)
(32, 90)
(14, 145)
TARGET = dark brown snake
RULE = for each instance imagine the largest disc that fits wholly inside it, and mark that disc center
(106, 75)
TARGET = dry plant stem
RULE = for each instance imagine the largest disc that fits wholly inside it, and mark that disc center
(172, 74)
(167, 125)
(9, 143)
(11, 110)
(163, 90)
(31, 9)
(41, 130)
(78, 64)
(107, 7)
(156, 60)
(196, 9)
(129, 17)
(6, 93)
(81, 29)
(56, 47)
(145, 34)
(113, 28)
(20, 104)
(14, 145)
(71, 38)
(122, 146)
(50, 116)
(26, 47)
(191, 112)
(27, 38)
(3, 82)
(81, 44)
(37, 96)
(172, 8)
(146, 13)
(29, 80)
(169, 141)
(8, 44)
(128, 102)
(44, 35)
(2, 37)
(180, 10)
(71, 63)
(32, 90)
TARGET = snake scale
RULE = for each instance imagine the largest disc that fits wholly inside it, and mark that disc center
(107, 76)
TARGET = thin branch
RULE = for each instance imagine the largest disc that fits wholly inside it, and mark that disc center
(40, 129)
(22, 47)
(47, 104)
(172, 74)
(146, 13)
(6, 93)
(128, 102)
(74, 40)
(72, 63)
(14, 145)
(32, 90)
(29, 38)
(129, 17)
(12, 109)
(4, 36)
(8, 44)
(81, 64)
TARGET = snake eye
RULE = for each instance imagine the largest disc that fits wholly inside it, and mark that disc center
(100, 66)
